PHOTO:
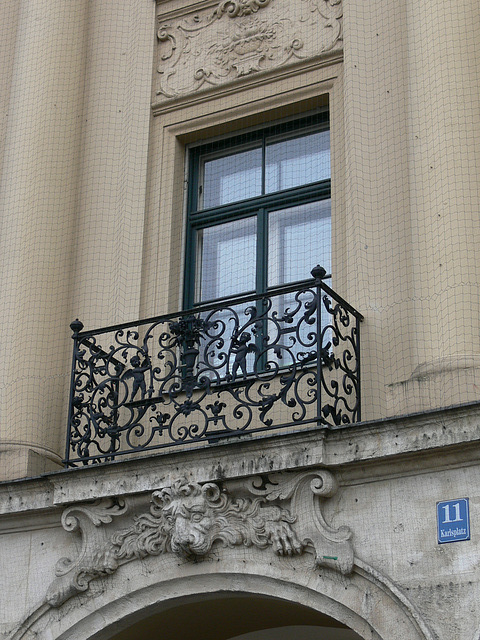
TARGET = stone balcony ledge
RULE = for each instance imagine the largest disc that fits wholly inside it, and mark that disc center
(359, 453)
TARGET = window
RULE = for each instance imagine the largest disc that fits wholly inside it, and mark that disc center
(258, 210)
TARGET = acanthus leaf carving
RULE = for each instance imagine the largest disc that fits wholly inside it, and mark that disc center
(332, 12)
(250, 47)
(234, 8)
(74, 575)
(187, 519)
(307, 493)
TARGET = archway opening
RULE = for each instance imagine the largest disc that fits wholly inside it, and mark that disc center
(237, 617)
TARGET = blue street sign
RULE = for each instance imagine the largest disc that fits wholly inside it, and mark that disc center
(453, 520)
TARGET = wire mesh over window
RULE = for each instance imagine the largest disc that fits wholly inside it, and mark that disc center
(259, 210)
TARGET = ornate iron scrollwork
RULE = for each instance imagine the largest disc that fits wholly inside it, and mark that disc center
(289, 358)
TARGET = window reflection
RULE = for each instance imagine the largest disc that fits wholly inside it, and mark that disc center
(291, 163)
(298, 237)
(231, 178)
(259, 210)
(226, 254)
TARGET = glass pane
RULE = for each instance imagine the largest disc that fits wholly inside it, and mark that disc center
(298, 161)
(226, 259)
(232, 178)
(298, 239)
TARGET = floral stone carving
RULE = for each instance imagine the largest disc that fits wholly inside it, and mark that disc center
(210, 48)
(188, 519)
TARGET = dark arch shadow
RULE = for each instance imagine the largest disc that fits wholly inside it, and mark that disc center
(222, 616)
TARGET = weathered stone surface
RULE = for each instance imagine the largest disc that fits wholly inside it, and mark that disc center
(187, 519)
(364, 525)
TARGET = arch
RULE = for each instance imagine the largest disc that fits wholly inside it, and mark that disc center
(361, 602)
(160, 597)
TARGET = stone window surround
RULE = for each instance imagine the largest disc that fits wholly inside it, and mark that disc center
(203, 116)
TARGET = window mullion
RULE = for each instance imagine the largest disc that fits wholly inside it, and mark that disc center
(190, 269)
(262, 251)
(261, 284)
(264, 155)
(191, 233)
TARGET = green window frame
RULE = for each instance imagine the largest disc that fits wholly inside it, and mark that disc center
(206, 217)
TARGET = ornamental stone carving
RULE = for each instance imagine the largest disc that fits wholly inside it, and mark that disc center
(234, 8)
(74, 575)
(283, 512)
(241, 37)
(187, 519)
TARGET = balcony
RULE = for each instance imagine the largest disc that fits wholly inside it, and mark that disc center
(286, 360)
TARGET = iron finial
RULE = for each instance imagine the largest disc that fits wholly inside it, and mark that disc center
(318, 272)
(76, 326)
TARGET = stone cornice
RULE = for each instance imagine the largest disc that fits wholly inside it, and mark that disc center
(362, 452)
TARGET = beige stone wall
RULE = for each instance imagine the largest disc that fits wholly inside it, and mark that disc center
(9, 11)
(93, 183)
(75, 125)
(38, 198)
(113, 167)
(410, 107)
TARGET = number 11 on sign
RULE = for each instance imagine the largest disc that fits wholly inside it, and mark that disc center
(453, 520)
(448, 518)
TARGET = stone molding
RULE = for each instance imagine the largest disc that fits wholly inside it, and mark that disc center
(283, 512)
(237, 38)
(377, 450)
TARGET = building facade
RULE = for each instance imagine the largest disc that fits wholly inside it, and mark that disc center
(287, 447)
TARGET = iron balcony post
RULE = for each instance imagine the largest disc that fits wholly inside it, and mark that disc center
(357, 356)
(319, 273)
(76, 326)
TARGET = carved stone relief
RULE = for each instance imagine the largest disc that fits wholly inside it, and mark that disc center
(241, 37)
(187, 519)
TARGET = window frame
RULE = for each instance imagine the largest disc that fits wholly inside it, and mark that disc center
(257, 206)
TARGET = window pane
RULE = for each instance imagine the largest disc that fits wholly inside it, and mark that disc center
(226, 259)
(297, 161)
(232, 178)
(298, 239)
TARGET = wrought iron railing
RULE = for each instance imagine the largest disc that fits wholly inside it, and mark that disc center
(282, 360)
